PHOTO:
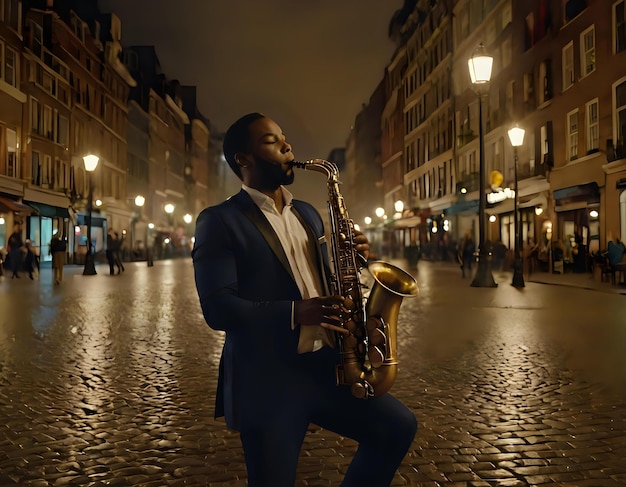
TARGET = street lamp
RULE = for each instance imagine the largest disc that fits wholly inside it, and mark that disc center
(91, 162)
(140, 200)
(516, 136)
(480, 73)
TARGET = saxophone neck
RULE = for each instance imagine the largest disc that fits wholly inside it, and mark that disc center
(328, 168)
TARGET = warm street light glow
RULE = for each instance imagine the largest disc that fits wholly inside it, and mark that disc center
(594, 213)
(480, 65)
(98, 202)
(187, 218)
(380, 212)
(367, 220)
(91, 162)
(516, 136)
(480, 73)
(492, 218)
(150, 225)
(538, 210)
(139, 200)
(169, 208)
(399, 206)
(357, 227)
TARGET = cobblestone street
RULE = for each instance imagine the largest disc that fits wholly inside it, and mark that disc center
(109, 380)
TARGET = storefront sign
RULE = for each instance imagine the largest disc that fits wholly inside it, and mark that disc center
(505, 194)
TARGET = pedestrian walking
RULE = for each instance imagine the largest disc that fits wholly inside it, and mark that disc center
(16, 250)
(58, 249)
(258, 264)
(31, 260)
(466, 254)
(117, 253)
(110, 251)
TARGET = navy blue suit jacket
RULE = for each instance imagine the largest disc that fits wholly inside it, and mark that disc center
(246, 289)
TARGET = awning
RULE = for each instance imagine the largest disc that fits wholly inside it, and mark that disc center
(96, 220)
(588, 190)
(12, 206)
(463, 206)
(50, 211)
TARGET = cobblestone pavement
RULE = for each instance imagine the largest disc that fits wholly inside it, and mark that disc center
(110, 381)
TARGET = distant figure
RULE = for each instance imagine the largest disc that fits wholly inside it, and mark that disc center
(58, 249)
(31, 259)
(16, 250)
(110, 251)
(466, 254)
(117, 253)
(499, 253)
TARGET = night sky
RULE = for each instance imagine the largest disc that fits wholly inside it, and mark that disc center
(308, 64)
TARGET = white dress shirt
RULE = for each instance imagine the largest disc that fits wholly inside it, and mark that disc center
(295, 242)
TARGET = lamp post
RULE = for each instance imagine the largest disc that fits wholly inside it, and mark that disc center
(149, 255)
(140, 200)
(480, 73)
(516, 136)
(91, 162)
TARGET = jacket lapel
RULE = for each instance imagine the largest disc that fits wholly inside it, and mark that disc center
(255, 215)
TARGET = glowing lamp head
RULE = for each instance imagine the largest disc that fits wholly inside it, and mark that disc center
(516, 136)
(480, 65)
(91, 162)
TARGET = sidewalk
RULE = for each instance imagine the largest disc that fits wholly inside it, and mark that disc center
(585, 281)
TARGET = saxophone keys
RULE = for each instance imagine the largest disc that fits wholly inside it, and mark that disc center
(348, 303)
(374, 323)
(377, 337)
(376, 356)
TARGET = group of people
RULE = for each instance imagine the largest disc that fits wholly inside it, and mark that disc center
(114, 252)
(21, 255)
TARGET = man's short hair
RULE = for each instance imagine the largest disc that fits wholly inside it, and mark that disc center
(237, 139)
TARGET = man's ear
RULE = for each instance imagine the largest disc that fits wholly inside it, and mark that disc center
(241, 159)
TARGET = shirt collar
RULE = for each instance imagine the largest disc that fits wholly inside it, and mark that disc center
(263, 201)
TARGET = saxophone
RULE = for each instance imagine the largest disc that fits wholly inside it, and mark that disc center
(368, 353)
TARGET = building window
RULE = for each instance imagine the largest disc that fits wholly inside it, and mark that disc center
(35, 168)
(46, 170)
(12, 166)
(10, 13)
(545, 78)
(62, 130)
(547, 144)
(529, 36)
(593, 135)
(35, 116)
(48, 129)
(572, 135)
(588, 51)
(620, 117)
(37, 39)
(619, 25)
(10, 66)
(568, 65)
(573, 8)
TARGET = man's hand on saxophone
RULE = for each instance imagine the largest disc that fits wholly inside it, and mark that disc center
(361, 244)
(326, 311)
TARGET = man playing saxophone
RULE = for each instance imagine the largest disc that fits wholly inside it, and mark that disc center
(261, 272)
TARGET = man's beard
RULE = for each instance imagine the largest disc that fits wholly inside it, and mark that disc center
(272, 175)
